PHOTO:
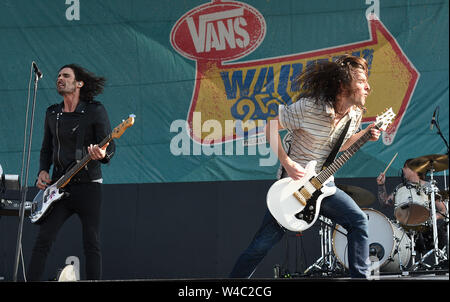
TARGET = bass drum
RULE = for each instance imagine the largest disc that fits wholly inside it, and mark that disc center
(387, 241)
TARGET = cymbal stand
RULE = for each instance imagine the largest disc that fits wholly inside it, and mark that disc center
(327, 263)
(439, 132)
(446, 211)
(437, 252)
(413, 251)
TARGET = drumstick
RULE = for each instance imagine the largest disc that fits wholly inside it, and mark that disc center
(390, 163)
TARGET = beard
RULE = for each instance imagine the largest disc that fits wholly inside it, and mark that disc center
(64, 90)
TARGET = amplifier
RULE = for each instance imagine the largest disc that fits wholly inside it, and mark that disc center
(11, 207)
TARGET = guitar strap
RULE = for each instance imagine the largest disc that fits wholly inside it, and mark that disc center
(283, 171)
(333, 152)
(336, 148)
(81, 129)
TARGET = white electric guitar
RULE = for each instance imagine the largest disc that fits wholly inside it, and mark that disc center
(45, 199)
(295, 204)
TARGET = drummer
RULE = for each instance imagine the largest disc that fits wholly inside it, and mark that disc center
(418, 178)
(409, 176)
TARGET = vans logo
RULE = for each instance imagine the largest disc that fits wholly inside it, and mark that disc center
(233, 100)
(218, 31)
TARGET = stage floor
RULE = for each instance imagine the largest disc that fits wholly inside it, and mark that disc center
(416, 276)
(401, 276)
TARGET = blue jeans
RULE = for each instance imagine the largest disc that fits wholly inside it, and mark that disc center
(341, 209)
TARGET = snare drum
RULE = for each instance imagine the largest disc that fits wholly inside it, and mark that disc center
(411, 205)
(387, 242)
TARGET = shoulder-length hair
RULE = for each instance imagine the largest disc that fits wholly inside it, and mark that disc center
(324, 80)
(93, 85)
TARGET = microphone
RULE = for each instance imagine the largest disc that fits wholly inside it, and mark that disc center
(433, 119)
(37, 71)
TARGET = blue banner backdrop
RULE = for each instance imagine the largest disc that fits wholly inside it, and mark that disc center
(193, 71)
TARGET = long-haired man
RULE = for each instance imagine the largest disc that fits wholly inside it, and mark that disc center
(72, 129)
(332, 94)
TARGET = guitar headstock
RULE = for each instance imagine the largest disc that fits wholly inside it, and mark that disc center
(119, 130)
(385, 119)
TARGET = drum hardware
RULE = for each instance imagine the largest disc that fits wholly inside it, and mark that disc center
(445, 197)
(422, 165)
(437, 252)
(389, 245)
(447, 223)
(402, 265)
(443, 159)
(327, 264)
(421, 262)
(413, 249)
(397, 256)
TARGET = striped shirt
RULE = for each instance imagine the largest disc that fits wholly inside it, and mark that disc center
(311, 130)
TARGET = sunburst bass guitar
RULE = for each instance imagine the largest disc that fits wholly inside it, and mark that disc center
(295, 204)
(45, 199)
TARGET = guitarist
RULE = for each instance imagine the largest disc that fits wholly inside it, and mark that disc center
(333, 93)
(72, 128)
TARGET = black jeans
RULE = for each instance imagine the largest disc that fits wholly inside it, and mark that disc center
(84, 199)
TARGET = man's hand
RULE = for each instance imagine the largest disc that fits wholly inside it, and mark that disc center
(374, 136)
(293, 169)
(96, 152)
(43, 180)
(374, 132)
(381, 179)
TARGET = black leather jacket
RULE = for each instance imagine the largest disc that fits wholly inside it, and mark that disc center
(61, 130)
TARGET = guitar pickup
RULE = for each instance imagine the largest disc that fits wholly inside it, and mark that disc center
(316, 183)
(298, 196)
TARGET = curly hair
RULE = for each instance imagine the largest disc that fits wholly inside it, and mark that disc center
(93, 85)
(324, 80)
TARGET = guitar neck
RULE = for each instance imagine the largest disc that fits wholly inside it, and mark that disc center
(64, 180)
(343, 158)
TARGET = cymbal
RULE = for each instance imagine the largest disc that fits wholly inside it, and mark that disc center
(422, 164)
(362, 197)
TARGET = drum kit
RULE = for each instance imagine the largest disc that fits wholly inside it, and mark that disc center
(392, 242)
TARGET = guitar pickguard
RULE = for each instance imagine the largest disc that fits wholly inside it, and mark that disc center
(309, 211)
(43, 202)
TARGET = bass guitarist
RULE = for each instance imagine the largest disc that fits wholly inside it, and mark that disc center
(72, 128)
(333, 93)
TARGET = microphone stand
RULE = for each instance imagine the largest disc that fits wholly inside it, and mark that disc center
(24, 187)
(440, 133)
(436, 122)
